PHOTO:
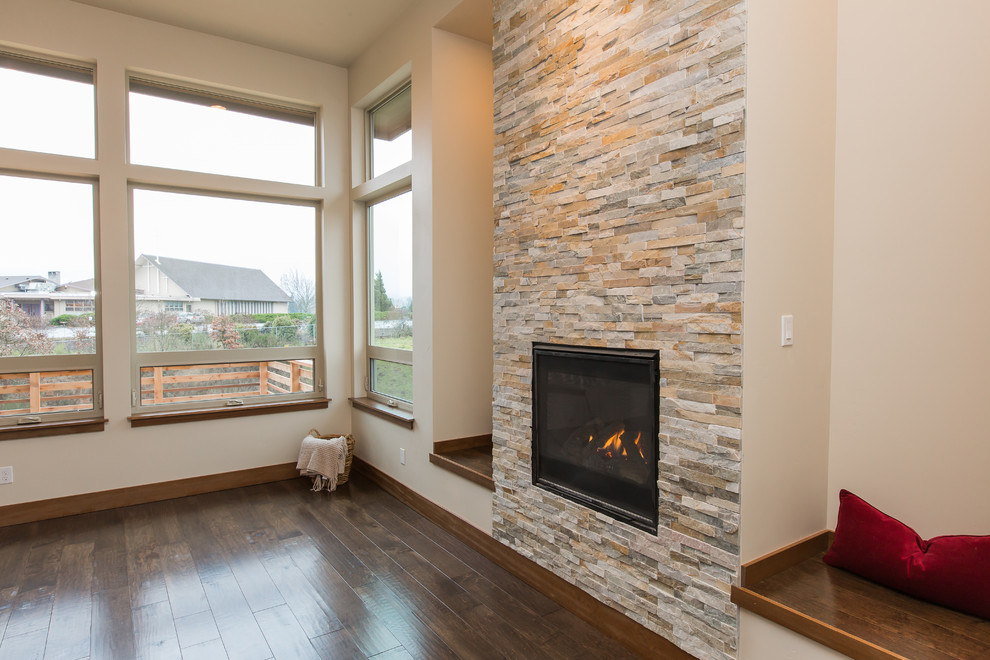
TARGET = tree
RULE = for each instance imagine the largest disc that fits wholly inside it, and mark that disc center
(17, 334)
(159, 332)
(382, 302)
(301, 290)
(224, 333)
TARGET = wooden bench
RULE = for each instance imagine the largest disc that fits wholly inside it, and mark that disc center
(794, 588)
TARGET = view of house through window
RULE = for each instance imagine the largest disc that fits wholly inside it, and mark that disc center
(218, 274)
(225, 277)
(48, 325)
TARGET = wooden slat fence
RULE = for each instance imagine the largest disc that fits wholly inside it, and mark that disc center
(207, 382)
(45, 391)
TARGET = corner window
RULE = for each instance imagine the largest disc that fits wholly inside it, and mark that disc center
(48, 106)
(225, 283)
(388, 220)
(390, 302)
(49, 364)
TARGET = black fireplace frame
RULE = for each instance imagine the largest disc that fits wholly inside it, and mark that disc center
(652, 360)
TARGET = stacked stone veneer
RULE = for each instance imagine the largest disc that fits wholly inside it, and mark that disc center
(619, 161)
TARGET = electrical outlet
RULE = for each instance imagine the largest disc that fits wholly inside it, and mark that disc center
(402, 456)
(6, 475)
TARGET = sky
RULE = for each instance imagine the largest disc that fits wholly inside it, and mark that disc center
(52, 115)
(392, 238)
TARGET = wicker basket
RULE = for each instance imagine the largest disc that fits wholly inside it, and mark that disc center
(342, 479)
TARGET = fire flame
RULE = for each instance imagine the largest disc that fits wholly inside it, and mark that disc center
(614, 447)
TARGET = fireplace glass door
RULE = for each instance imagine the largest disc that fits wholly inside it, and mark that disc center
(595, 429)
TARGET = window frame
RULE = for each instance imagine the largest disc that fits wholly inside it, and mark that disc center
(396, 355)
(369, 138)
(193, 182)
(93, 362)
(250, 103)
(374, 190)
(62, 68)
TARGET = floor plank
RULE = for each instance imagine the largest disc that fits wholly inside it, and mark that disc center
(29, 646)
(285, 636)
(72, 609)
(112, 635)
(211, 650)
(144, 572)
(238, 628)
(231, 525)
(338, 646)
(32, 606)
(154, 632)
(196, 629)
(185, 591)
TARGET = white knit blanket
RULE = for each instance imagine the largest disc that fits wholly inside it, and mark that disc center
(322, 459)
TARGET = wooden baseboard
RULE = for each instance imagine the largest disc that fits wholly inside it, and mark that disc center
(15, 514)
(635, 637)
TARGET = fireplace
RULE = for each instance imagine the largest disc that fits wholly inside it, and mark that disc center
(595, 429)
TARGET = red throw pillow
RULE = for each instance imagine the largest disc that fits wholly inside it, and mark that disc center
(948, 570)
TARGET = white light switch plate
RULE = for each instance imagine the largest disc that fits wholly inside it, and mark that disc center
(787, 330)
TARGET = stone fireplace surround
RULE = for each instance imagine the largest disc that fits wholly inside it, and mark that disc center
(619, 163)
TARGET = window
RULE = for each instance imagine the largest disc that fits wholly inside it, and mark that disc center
(49, 370)
(390, 300)
(389, 239)
(48, 106)
(80, 306)
(225, 283)
(205, 131)
(391, 132)
(247, 271)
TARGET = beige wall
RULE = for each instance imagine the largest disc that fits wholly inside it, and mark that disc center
(906, 350)
(121, 456)
(910, 355)
(790, 118)
(451, 211)
(462, 236)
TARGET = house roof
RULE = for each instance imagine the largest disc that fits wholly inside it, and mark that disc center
(82, 285)
(7, 281)
(11, 280)
(218, 282)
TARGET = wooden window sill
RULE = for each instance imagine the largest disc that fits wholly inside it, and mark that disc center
(64, 427)
(394, 415)
(794, 588)
(203, 414)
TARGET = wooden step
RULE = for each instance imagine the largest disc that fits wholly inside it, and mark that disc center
(470, 458)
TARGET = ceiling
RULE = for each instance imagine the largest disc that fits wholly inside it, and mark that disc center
(332, 31)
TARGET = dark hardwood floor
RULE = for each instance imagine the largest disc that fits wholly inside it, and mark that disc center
(272, 571)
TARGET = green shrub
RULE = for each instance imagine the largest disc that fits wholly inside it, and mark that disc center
(254, 338)
(73, 320)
